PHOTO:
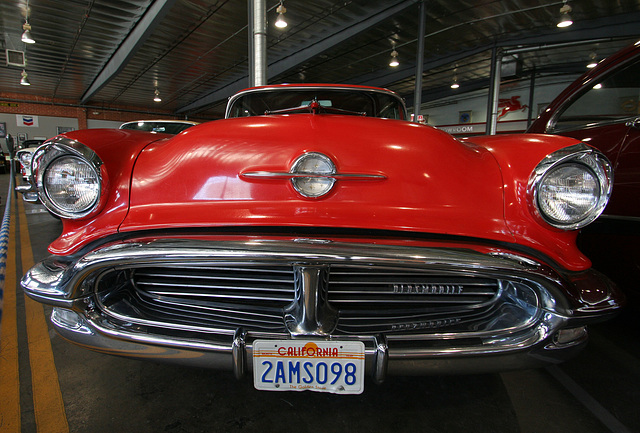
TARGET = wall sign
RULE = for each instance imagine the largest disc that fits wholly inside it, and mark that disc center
(25, 120)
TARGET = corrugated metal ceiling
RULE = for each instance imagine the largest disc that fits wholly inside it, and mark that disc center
(113, 53)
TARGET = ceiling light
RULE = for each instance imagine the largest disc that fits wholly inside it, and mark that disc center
(280, 21)
(394, 59)
(156, 97)
(26, 36)
(593, 62)
(455, 84)
(565, 18)
(24, 81)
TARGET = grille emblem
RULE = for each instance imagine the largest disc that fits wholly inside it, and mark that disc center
(429, 289)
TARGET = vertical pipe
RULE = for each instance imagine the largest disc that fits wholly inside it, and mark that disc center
(252, 76)
(417, 98)
(532, 86)
(258, 46)
(494, 92)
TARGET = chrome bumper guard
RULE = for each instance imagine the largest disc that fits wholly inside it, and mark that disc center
(553, 333)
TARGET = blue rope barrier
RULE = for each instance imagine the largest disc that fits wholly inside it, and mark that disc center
(4, 240)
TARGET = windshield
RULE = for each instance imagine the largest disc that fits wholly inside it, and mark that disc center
(337, 101)
(164, 127)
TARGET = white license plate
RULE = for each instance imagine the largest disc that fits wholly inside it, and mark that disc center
(299, 365)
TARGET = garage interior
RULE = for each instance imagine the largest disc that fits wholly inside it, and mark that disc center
(99, 63)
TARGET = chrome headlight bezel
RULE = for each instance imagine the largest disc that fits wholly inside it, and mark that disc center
(24, 157)
(579, 156)
(51, 153)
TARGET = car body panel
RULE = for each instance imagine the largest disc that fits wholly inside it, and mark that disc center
(117, 168)
(208, 177)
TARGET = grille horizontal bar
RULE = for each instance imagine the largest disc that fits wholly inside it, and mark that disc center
(241, 284)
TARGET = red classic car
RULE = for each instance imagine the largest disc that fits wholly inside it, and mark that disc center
(316, 236)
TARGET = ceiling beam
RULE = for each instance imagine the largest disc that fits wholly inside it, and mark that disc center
(614, 27)
(295, 58)
(602, 28)
(127, 49)
(436, 93)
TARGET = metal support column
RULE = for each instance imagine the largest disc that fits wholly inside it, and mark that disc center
(494, 91)
(532, 88)
(257, 43)
(417, 98)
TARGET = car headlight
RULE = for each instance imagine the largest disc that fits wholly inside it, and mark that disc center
(69, 178)
(570, 188)
(71, 184)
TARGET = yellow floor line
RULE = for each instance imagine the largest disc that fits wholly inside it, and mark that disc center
(9, 373)
(47, 398)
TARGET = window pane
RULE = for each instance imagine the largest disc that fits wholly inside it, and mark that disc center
(616, 98)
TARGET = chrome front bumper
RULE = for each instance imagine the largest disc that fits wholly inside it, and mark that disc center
(382, 359)
(553, 332)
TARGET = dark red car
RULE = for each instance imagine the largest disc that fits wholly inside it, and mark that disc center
(602, 108)
(316, 235)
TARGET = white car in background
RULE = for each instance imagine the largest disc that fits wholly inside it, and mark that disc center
(24, 155)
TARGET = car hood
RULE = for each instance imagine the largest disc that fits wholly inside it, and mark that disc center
(431, 182)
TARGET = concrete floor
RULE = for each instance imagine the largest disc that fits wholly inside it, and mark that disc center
(598, 391)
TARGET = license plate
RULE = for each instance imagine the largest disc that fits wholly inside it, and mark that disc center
(322, 366)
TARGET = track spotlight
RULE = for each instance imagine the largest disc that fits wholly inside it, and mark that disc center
(281, 23)
(26, 36)
(394, 59)
(24, 80)
(565, 18)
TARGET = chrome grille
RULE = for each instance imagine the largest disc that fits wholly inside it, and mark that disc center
(369, 299)
(268, 286)
(225, 297)
(374, 299)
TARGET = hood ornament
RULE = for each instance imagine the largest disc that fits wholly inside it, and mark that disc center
(312, 175)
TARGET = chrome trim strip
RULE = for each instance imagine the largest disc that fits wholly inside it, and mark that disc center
(56, 277)
(58, 280)
(287, 175)
(23, 189)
